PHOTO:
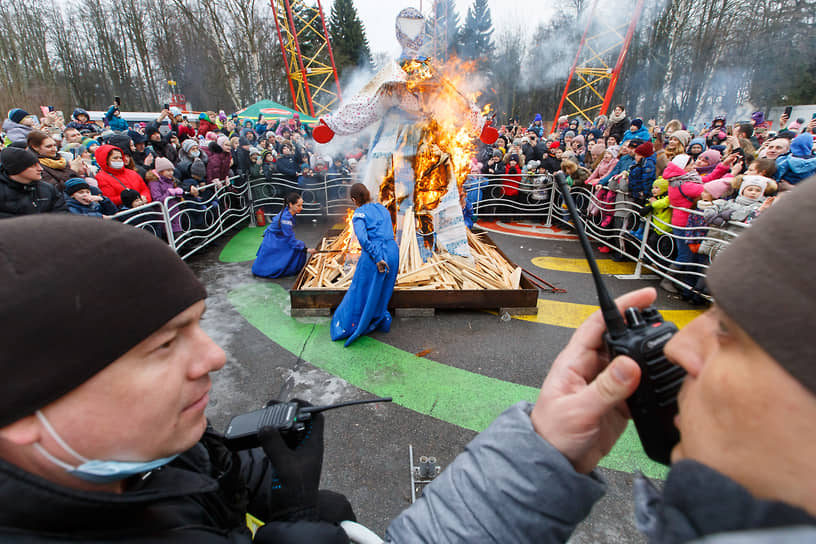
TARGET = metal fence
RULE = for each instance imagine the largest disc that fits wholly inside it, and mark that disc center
(188, 225)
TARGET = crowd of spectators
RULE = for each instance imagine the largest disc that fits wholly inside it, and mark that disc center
(101, 169)
(727, 173)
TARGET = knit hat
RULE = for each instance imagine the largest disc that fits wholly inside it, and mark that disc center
(84, 286)
(614, 150)
(129, 196)
(637, 122)
(717, 188)
(700, 141)
(513, 157)
(163, 164)
(713, 157)
(122, 141)
(554, 145)
(758, 117)
(753, 181)
(775, 313)
(15, 159)
(75, 184)
(497, 154)
(211, 136)
(222, 140)
(802, 145)
(198, 169)
(569, 134)
(175, 111)
(242, 141)
(537, 117)
(682, 136)
(597, 150)
(17, 115)
(645, 149)
(136, 137)
(662, 184)
(187, 145)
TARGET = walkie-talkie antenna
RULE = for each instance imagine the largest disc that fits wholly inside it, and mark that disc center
(612, 317)
(318, 409)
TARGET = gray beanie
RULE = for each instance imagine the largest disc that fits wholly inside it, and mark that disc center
(188, 144)
(80, 288)
(773, 256)
(198, 169)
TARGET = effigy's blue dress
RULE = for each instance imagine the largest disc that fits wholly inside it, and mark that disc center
(365, 306)
(280, 254)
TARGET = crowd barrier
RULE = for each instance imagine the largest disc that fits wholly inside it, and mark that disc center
(188, 226)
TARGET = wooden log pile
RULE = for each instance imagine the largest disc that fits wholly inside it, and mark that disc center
(327, 269)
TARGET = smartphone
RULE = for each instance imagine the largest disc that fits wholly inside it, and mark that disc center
(813, 116)
(117, 101)
(50, 108)
(788, 110)
(166, 106)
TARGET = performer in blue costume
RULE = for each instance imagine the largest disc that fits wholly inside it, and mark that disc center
(365, 306)
(281, 254)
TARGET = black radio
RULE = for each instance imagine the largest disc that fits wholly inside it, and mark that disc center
(642, 336)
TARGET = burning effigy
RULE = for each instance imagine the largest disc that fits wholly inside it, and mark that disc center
(418, 159)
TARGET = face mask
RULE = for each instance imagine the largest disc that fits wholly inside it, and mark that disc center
(92, 470)
(117, 165)
(195, 154)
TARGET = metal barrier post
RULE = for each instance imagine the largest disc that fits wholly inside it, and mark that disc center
(251, 202)
(553, 189)
(639, 266)
(168, 227)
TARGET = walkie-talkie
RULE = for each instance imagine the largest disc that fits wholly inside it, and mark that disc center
(287, 417)
(642, 337)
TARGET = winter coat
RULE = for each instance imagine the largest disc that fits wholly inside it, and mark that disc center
(287, 167)
(683, 191)
(641, 134)
(242, 161)
(25, 199)
(604, 167)
(661, 209)
(203, 496)
(218, 165)
(113, 182)
(512, 180)
(469, 501)
(551, 164)
(84, 127)
(205, 126)
(579, 177)
(623, 165)
(115, 123)
(57, 176)
(619, 129)
(741, 210)
(76, 207)
(15, 132)
(641, 177)
(800, 163)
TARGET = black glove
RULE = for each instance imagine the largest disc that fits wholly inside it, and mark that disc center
(297, 461)
(646, 210)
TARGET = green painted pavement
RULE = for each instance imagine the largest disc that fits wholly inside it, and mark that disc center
(447, 393)
(243, 246)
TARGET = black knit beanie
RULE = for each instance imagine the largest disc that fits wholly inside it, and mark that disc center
(15, 160)
(771, 260)
(77, 295)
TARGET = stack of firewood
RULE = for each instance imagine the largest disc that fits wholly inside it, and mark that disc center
(328, 268)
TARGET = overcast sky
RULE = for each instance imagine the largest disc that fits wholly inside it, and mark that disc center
(378, 16)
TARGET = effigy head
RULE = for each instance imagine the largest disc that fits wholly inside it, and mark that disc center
(410, 28)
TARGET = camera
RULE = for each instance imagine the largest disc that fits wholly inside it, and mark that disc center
(642, 336)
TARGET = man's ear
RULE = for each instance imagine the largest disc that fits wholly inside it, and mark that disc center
(22, 432)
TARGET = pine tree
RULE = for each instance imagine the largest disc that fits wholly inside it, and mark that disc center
(476, 38)
(442, 30)
(348, 39)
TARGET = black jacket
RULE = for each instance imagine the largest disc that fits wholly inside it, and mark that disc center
(202, 496)
(25, 199)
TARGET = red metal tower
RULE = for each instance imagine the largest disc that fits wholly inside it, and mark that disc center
(310, 73)
(590, 69)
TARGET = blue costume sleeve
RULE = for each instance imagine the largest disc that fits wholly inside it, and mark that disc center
(370, 247)
(286, 226)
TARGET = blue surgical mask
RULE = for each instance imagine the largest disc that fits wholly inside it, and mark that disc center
(92, 470)
(195, 154)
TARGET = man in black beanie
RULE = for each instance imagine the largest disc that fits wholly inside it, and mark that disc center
(22, 191)
(103, 435)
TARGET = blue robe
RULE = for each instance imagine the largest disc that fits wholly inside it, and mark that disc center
(365, 306)
(280, 254)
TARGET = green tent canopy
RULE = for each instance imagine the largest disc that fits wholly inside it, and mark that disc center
(272, 110)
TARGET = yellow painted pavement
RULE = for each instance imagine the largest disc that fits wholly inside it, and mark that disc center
(606, 266)
(570, 314)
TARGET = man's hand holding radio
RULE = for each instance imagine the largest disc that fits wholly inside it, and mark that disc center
(581, 409)
(298, 469)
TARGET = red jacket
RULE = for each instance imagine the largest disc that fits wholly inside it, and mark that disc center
(512, 179)
(113, 182)
(184, 129)
(205, 126)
